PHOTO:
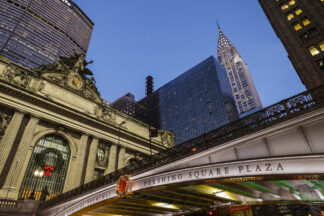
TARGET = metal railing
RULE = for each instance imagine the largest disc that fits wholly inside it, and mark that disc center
(4, 203)
(269, 116)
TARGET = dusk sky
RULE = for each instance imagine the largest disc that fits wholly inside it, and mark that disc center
(164, 38)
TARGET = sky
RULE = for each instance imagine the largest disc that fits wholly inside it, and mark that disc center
(164, 38)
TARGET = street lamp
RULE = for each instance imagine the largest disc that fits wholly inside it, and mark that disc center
(121, 123)
(38, 173)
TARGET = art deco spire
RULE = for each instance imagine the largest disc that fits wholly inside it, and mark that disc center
(245, 95)
(223, 42)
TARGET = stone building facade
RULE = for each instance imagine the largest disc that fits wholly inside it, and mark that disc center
(53, 116)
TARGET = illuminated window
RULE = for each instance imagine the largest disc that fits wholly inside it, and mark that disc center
(297, 26)
(305, 21)
(284, 6)
(298, 11)
(292, 2)
(290, 16)
(313, 50)
(321, 45)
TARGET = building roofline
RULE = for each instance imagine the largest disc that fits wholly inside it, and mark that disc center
(210, 57)
(75, 5)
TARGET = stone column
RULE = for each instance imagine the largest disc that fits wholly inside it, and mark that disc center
(9, 137)
(112, 159)
(91, 160)
(21, 159)
(74, 174)
(121, 158)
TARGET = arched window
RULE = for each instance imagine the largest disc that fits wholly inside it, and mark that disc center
(51, 150)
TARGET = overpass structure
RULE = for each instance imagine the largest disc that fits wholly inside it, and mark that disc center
(273, 156)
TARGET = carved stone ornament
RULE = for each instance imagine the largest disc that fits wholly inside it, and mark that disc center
(108, 115)
(71, 72)
(16, 76)
(167, 138)
(75, 81)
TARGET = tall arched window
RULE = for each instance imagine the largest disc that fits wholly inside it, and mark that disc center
(50, 150)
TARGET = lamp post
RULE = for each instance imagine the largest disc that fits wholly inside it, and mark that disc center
(38, 173)
(121, 123)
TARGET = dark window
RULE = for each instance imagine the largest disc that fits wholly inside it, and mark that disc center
(304, 36)
(313, 32)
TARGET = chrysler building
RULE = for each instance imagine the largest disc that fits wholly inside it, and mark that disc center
(244, 91)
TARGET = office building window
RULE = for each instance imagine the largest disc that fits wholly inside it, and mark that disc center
(298, 11)
(321, 45)
(305, 21)
(313, 50)
(290, 16)
(284, 6)
(291, 2)
(297, 26)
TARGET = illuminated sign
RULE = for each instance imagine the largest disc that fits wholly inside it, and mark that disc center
(66, 2)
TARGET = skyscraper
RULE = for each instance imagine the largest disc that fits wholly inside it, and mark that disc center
(299, 24)
(194, 103)
(36, 32)
(245, 94)
(125, 104)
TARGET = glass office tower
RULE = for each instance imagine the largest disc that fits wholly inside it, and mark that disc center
(194, 103)
(36, 32)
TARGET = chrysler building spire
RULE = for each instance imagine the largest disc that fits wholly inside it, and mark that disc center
(223, 42)
(245, 94)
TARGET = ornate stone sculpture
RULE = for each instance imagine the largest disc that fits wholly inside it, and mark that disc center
(108, 115)
(16, 76)
(167, 138)
(72, 72)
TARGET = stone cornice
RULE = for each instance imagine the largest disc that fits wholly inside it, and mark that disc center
(43, 102)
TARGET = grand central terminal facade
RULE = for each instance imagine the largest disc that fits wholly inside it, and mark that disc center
(54, 116)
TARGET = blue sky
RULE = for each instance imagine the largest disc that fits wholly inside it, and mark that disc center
(164, 38)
